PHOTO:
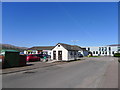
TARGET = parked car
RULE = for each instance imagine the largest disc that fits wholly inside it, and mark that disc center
(40, 55)
(32, 57)
(44, 57)
(80, 55)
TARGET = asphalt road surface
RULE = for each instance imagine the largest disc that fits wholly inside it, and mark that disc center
(100, 72)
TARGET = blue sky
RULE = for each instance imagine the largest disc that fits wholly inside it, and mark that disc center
(41, 23)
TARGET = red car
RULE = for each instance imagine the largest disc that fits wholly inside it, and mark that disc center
(32, 57)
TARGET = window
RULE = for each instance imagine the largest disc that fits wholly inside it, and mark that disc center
(88, 49)
(100, 52)
(96, 52)
(71, 53)
(113, 52)
(93, 52)
(109, 48)
(102, 49)
(99, 48)
(58, 45)
(105, 52)
(105, 48)
(118, 48)
(54, 52)
(75, 53)
(109, 52)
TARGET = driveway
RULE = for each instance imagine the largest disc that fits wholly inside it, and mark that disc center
(94, 72)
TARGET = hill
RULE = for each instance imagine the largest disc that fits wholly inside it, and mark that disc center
(8, 46)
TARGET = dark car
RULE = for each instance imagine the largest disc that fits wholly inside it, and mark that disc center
(80, 55)
(44, 57)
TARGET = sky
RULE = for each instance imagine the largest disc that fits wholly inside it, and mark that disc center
(30, 24)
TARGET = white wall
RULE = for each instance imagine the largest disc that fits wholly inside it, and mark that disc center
(48, 51)
(64, 52)
(114, 49)
(25, 52)
(103, 52)
(36, 52)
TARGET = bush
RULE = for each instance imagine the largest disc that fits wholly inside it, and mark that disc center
(117, 55)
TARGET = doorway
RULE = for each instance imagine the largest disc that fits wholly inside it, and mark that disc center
(59, 55)
(54, 55)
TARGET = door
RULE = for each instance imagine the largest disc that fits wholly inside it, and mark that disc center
(59, 55)
(54, 55)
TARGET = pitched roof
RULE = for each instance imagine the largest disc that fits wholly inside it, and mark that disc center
(41, 48)
(114, 45)
(71, 47)
(84, 49)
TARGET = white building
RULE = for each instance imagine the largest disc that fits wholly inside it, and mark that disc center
(109, 50)
(66, 52)
(39, 50)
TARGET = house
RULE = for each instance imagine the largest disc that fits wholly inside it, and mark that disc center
(108, 50)
(39, 50)
(66, 52)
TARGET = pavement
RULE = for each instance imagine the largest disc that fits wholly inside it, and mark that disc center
(110, 78)
(93, 72)
(29, 66)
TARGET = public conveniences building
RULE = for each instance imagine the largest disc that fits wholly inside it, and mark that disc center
(109, 50)
(66, 52)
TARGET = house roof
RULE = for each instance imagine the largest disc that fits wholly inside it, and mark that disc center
(84, 49)
(71, 47)
(114, 45)
(41, 48)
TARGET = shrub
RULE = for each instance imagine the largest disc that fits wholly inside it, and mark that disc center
(117, 55)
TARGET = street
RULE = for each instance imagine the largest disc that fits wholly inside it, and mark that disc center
(93, 72)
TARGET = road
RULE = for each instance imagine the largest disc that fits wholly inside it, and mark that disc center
(90, 73)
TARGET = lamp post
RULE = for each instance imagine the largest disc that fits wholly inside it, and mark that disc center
(74, 41)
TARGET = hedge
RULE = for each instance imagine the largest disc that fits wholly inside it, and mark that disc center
(117, 55)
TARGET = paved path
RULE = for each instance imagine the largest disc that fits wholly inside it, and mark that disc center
(90, 73)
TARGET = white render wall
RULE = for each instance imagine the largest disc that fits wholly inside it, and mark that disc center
(64, 53)
(36, 52)
(25, 52)
(103, 52)
(33, 52)
(48, 51)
